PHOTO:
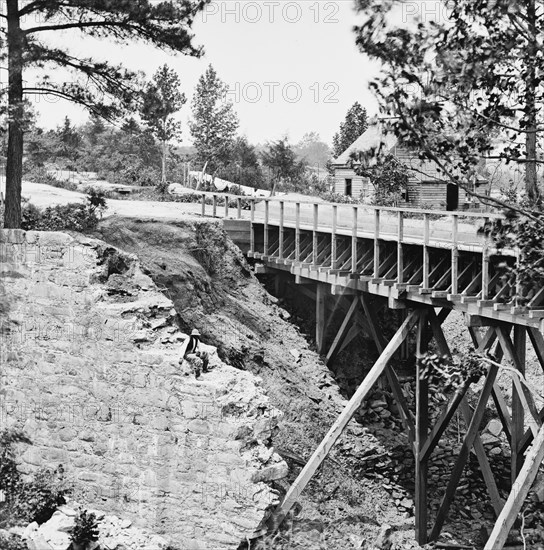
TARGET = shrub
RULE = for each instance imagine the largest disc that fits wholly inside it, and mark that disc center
(85, 530)
(12, 542)
(73, 216)
(32, 500)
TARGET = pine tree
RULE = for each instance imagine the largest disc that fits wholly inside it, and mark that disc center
(353, 126)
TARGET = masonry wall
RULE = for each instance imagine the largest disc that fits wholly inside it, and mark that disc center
(89, 370)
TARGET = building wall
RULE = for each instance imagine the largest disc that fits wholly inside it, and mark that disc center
(359, 184)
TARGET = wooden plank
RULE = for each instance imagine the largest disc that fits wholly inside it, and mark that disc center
(462, 457)
(252, 229)
(377, 335)
(485, 467)
(315, 248)
(282, 230)
(334, 242)
(422, 427)
(538, 343)
(426, 265)
(516, 352)
(518, 494)
(442, 422)
(342, 329)
(354, 248)
(502, 411)
(400, 248)
(455, 256)
(342, 421)
(320, 315)
(297, 232)
(266, 219)
(376, 243)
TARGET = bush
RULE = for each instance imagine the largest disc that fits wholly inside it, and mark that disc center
(12, 542)
(32, 500)
(85, 530)
(73, 216)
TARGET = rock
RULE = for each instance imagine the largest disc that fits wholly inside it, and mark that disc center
(383, 542)
(271, 473)
(489, 439)
(38, 543)
(296, 354)
(494, 427)
(125, 524)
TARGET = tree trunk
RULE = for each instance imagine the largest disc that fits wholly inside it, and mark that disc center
(14, 163)
(162, 186)
(531, 184)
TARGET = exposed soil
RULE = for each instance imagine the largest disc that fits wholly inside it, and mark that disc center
(367, 481)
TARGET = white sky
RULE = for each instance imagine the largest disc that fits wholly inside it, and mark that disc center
(292, 66)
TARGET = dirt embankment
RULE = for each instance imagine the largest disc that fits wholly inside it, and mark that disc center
(212, 288)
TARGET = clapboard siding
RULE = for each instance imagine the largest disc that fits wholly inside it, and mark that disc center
(359, 184)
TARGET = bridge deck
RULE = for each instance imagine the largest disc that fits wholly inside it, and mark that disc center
(406, 255)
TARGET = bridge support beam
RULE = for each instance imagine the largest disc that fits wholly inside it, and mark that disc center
(321, 315)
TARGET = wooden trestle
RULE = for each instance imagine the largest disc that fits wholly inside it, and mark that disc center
(427, 263)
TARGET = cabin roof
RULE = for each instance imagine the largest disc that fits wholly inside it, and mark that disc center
(372, 139)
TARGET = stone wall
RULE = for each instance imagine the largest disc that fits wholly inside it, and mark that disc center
(89, 352)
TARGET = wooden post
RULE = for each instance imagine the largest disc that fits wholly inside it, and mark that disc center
(485, 267)
(266, 217)
(354, 259)
(426, 234)
(400, 249)
(320, 313)
(333, 236)
(342, 421)
(214, 210)
(203, 204)
(455, 255)
(282, 230)
(422, 429)
(226, 206)
(315, 247)
(518, 494)
(239, 208)
(252, 228)
(376, 243)
(297, 232)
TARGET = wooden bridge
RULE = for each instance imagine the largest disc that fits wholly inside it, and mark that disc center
(426, 264)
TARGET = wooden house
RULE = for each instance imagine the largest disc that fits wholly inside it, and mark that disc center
(426, 188)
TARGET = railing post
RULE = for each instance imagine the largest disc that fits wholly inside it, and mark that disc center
(315, 244)
(214, 210)
(426, 234)
(239, 208)
(485, 265)
(400, 249)
(354, 258)
(333, 236)
(376, 243)
(455, 255)
(203, 204)
(282, 212)
(266, 214)
(226, 206)
(252, 228)
(297, 232)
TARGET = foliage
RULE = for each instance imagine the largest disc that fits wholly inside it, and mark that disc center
(464, 88)
(523, 234)
(72, 216)
(339, 198)
(209, 247)
(214, 122)
(312, 150)
(451, 374)
(353, 126)
(12, 542)
(27, 500)
(85, 529)
(242, 165)
(284, 166)
(389, 177)
(100, 86)
(160, 101)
